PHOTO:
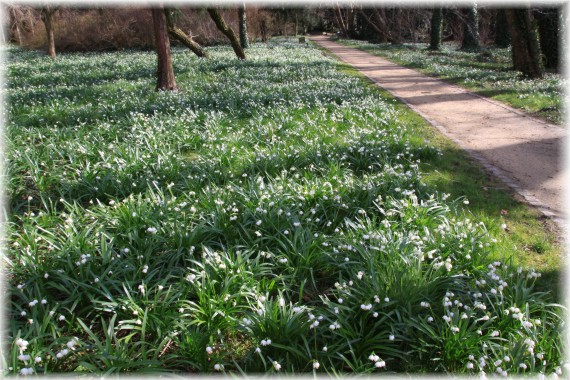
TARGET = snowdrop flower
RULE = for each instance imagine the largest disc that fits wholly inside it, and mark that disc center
(71, 344)
(386, 299)
(23, 313)
(265, 342)
(523, 366)
(62, 318)
(37, 359)
(151, 230)
(375, 314)
(391, 337)
(430, 319)
(495, 333)
(276, 365)
(469, 365)
(218, 367)
(325, 349)
(23, 357)
(209, 350)
(316, 365)
(258, 350)
(373, 358)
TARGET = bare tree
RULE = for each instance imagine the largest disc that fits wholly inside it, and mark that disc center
(525, 46)
(471, 30)
(436, 26)
(184, 38)
(243, 40)
(227, 31)
(165, 72)
(47, 14)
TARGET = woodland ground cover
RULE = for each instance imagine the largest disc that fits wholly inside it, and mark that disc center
(487, 73)
(270, 216)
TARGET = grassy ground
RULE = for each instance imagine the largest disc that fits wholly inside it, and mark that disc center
(487, 73)
(276, 214)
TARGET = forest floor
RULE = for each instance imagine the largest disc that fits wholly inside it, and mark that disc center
(524, 152)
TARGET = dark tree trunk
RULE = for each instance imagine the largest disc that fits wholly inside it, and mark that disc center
(525, 45)
(471, 30)
(182, 37)
(502, 31)
(263, 30)
(243, 40)
(47, 15)
(165, 72)
(435, 32)
(548, 31)
(227, 31)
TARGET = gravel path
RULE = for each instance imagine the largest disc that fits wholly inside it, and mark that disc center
(526, 153)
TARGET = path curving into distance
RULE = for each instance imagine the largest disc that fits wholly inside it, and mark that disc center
(524, 152)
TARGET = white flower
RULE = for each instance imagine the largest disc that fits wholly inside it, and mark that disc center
(523, 366)
(218, 367)
(23, 357)
(26, 371)
(469, 365)
(386, 299)
(325, 349)
(373, 358)
(340, 300)
(37, 359)
(277, 366)
(62, 318)
(391, 337)
(380, 364)
(151, 230)
(258, 350)
(316, 365)
(209, 350)
(375, 314)
(23, 344)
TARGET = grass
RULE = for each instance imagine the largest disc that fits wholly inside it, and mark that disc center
(487, 73)
(276, 214)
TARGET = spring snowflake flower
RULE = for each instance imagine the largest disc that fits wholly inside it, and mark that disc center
(26, 371)
(276, 365)
(380, 364)
(22, 344)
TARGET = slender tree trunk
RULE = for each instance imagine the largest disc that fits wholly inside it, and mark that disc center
(165, 72)
(471, 30)
(179, 35)
(243, 40)
(227, 31)
(525, 45)
(436, 26)
(47, 15)
(502, 31)
(341, 23)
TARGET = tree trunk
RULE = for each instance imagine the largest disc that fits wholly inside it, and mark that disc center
(471, 30)
(165, 72)
(47, 15)
(548, 32)
(182, 37)
(243, 40)
(502, 32)
(435, 32)
(525, 45)
(263, 31)
(227, 31)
